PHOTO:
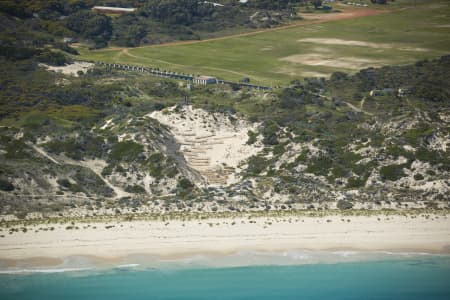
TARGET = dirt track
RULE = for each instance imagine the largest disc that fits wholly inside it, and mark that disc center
(309, 19)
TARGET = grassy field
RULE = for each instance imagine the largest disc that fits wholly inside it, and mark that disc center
(402, 35)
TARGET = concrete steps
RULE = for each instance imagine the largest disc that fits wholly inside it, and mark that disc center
(194, 147)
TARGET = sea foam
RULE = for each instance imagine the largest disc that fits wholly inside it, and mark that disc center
(55, 270)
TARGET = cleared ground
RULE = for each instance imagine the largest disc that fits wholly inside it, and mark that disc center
(321, 44)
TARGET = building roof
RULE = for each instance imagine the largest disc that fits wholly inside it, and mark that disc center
(214, 3)
(118, 9)
(203, 77)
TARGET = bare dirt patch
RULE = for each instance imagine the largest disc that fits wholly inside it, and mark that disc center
(340, 42)
(315, 74)
(267, 48)
(351, 63)
(71, 69)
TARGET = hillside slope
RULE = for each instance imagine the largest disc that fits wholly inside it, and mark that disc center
(116, 141)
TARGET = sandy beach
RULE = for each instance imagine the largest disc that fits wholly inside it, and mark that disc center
(177, 238)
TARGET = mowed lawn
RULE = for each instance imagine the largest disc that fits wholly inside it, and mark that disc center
(400, 36)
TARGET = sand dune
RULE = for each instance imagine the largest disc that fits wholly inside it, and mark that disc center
(71, 69)
(212, 144)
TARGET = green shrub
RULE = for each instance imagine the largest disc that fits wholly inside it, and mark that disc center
(135, 189)
(279, 149)
(184, 188)
(15, 149)
(392, 172)
(344, 204)
(356, 182)
(413, 135)
(156, 157)
(339, 171)
(126, 151)
(64, 183)
(53, 58)
(107, 170)
(418, 177)
(70, 147)
(251, 137)
(257, 164)
(396, 151)
(171, 171)
(6, 185)
(319, 166)
(431, 156)
(155, 167)
(185, 184)
(269, 132)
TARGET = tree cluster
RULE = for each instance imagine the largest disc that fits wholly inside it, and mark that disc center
(154, 21)
(426, 80)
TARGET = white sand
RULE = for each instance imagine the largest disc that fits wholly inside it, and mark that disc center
(211, 143)
(71, 69)
(224, 236)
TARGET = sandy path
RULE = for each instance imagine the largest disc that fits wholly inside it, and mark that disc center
(43, 153)
(357, 109)
(126, 52)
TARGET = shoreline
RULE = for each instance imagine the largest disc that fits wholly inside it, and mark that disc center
(244, 259)
(115, 241)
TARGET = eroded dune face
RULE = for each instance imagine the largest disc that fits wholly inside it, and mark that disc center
(71, 69)
(214, 144)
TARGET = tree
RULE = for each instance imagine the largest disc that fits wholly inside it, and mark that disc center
(185, 184)
(91, 26)
(275, 5)
(392, 172)
(6, 185)
(129, 30)
(53, 58)
(269, 132)
(317, 3)
(378, 1)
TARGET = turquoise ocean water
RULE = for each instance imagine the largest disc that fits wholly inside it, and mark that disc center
(412, 277)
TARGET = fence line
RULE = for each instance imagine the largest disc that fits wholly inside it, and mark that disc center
(174, 75)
